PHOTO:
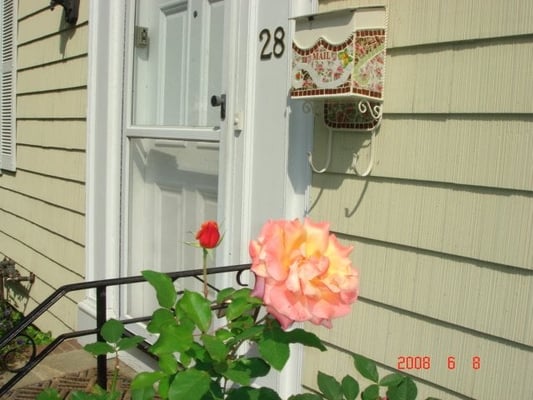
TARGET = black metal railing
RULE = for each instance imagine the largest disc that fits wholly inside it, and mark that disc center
(101, 305)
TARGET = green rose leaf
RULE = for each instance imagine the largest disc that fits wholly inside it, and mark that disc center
(391, 380)
(112, 330)
(215, 392)
(350, 387)
(168, 363)
(215, 347)
(244, 370)
(77, 395)
(250, 393)
(173, 339)
(237, 308)
(129, 342)
(240, 324)
(197, 353)
(370, 393)
(273, 348)
(329, 386)
(145, 380)
(190, 384)
(143, 394)
(366, 367)
(197, 308)
(301, 336)
(224, 294)
(99, 348)
(305, 396)
(164, 387)
(165, 291)
(236, 374)
(249, 333)
(185, 359)
(48, 394)
(405, 390)
(160, 317)
(244, 292)
(257, 366)
(223, 334)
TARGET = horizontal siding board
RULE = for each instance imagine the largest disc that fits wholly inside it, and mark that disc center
(27, 259)
(64, 252)
(480, 224)
(473, 295)
(383, 336)
(60, 75)
(61, 318)
(48, 272)
(54, 323)
(66, 305)
(66, 194)
(460, 78)
(27, 8)
(53, 49)
(64, 134)
(44, 22)
(53, 105)
(53, 162)
(41, 23)
(456, 20)
(422, 22)
(467, 150)
(55, 219)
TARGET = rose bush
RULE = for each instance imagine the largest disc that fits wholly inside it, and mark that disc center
(302, 273)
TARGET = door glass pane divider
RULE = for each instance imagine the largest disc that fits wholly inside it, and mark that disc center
(201, 134)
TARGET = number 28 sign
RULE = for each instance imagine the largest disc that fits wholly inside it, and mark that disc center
(273, 43)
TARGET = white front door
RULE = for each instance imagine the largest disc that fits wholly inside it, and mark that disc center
(172, 137)
(161, 159)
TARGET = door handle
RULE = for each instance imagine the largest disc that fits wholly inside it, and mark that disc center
(220, 101)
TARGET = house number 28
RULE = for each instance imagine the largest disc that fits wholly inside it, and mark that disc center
(273, 43)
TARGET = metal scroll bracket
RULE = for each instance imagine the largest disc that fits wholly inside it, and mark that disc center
(369, 117)
(71, 8)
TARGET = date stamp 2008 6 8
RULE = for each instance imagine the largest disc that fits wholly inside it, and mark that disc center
(424, 362)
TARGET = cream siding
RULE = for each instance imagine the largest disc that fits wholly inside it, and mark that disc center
(42, 205)
(466, 77)
(442, 226)
(471, 150)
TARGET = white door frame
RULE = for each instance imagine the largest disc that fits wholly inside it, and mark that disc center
(245, 177)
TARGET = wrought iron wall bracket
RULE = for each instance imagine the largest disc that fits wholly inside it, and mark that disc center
(360, 116)
(71, 8)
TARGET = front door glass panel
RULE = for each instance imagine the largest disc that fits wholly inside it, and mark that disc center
(172, 143)
(178, 50)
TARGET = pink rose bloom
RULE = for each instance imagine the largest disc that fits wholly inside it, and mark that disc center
(302, 272)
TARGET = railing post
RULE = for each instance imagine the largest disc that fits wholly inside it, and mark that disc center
(101, 317)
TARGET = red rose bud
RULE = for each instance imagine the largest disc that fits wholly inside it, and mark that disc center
(208, 236)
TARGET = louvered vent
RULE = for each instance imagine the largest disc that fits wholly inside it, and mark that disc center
(7, 99)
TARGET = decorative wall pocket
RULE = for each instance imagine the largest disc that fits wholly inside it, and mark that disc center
(338, 64)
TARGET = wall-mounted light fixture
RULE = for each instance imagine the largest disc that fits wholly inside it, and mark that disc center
(71, 8)
(338, 62)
